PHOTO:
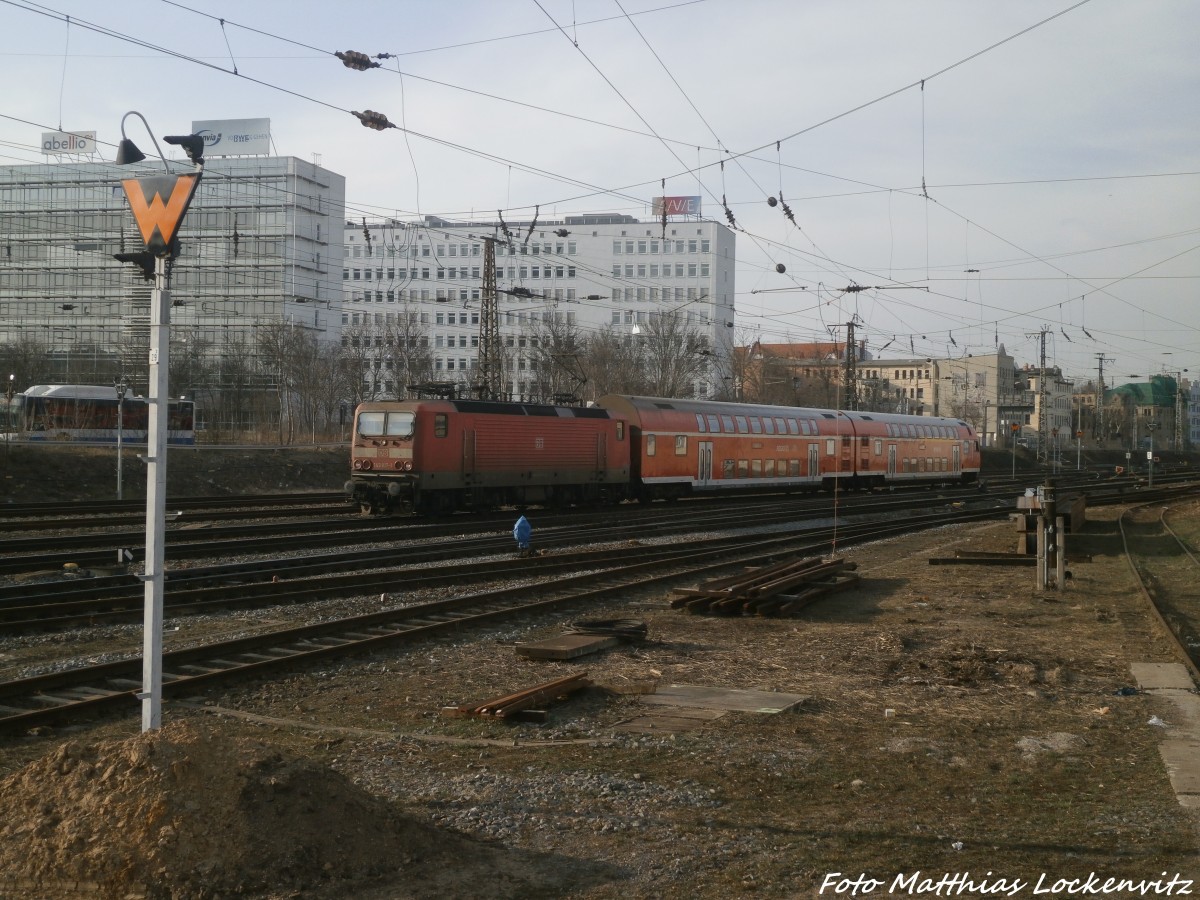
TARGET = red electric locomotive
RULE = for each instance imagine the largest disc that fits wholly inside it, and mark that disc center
(697, 446)
(438, 456)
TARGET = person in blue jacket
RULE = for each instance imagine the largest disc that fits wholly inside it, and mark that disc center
(523, 532)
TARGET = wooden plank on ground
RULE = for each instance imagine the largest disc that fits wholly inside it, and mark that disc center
(567, 646)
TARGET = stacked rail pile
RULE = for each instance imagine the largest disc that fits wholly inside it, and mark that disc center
(780, 590)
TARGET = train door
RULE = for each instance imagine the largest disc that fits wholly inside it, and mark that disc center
(601, 454)
(814, 461)
(956, 458)
(891, 464)
(704, 464)
(468, 455)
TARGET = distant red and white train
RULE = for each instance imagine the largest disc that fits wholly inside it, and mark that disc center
(438, 456)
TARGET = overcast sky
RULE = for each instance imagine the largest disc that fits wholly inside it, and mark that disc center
(1022, 166)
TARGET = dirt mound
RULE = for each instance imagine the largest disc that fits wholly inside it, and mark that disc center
(187, 812)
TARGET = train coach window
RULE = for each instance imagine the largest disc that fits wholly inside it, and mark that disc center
(400, 424)
(714, 424)
(769, 469)
(700, 423)
(793, 427)
(779, 426)
(864, 442)
(441, 425)
(742, 426)
(794, 468)
(681, 445)
(804, 425)
(620, 431)
(743, 468)
(727, 424)
(370, 424)
(768, 425)
(756, 468)
(727, 468)
(830, 447)
(755, 425)
(651, 444)
(878, 447)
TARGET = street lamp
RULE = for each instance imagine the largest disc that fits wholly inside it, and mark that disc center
(158, 204)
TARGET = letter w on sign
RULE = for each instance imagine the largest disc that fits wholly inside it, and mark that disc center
(159, 219)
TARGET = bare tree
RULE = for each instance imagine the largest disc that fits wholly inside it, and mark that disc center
(25, 360)
(612, 362)
(407, 357)
(283, 351)
(675, 355)
(555, 352)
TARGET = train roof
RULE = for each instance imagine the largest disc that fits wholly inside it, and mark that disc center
(493, 407)
(72, 391)
(632, 404)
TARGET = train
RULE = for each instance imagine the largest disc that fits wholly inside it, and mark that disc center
(88, 413)
(434, 457)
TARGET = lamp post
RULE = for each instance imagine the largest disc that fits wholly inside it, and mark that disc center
(158, 205)
(121, 387)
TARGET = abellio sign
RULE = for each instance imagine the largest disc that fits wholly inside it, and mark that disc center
(55, 143)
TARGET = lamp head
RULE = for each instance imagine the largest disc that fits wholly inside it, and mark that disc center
(192, 144)
(128, 152)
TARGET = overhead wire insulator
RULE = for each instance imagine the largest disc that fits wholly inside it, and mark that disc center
(787, 210)
(533, 224)
(372, 119)
(562, 232)
(352, 59)
(728, 213)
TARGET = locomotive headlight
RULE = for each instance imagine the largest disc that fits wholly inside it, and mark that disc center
(358, 464)
(408, 466)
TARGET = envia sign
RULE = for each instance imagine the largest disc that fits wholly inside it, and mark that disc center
(676, 206)
(56, 143)
(235, 137)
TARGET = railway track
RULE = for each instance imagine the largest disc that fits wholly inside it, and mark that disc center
(68, 694)
(80, 691)
(1166, 566)
(188, 540)
(131, 508)
(116, 599)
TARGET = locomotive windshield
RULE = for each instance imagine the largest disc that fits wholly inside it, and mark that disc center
(400, 424)
(389, 424)
(370, 424)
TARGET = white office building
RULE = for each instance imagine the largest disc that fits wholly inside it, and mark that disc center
(588, 272)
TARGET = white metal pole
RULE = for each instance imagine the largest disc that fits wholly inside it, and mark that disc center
(120, 432)
(156, 498)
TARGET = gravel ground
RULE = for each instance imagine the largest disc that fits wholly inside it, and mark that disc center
(1010, 745)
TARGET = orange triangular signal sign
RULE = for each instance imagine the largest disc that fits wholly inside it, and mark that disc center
(159, 219)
